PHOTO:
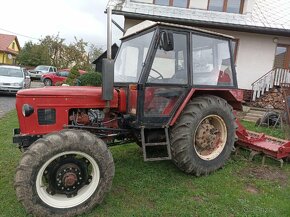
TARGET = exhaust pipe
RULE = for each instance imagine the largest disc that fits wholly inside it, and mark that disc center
(108, 63)
(109, 32)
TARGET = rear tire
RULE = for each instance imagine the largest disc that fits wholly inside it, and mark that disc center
(203, 137)
(64, 174)
(47, 82)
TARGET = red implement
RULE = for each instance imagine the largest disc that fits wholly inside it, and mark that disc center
(271, 146)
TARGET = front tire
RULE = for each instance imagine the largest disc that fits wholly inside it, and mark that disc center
(64, 174)
(47, 82)
(203, 137)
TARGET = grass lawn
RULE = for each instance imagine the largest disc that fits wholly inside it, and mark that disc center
(241, 188)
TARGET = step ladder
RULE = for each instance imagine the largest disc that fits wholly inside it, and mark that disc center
(165, 144)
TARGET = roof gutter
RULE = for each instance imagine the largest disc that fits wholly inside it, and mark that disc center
(207, 24)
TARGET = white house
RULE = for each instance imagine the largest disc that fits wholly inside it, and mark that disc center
(261, 28)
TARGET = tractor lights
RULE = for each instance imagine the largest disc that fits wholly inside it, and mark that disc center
(27, 110)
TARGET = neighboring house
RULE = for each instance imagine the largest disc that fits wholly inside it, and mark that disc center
(261, 28)
(9, 49)
(99, 61)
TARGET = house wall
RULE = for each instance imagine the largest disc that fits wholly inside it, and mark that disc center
(255, 56)
(198, 4)
(16, 48)
(5, 60)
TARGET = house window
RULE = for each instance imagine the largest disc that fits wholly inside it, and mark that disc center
(174, 3)
(235, 46)
(282, 56)
(13, 45)
(230, 6)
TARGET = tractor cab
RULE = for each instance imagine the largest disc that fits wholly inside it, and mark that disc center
(159, 64)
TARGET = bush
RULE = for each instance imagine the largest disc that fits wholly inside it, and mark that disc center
(90, 79)
(73, 76)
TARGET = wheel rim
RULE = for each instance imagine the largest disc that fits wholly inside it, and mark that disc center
(62, 200)
(210, 137)
(47, 82)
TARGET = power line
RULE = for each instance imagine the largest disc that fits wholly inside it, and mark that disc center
(19, 34)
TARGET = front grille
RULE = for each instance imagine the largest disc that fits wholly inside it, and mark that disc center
(46, 116)
(8, 84)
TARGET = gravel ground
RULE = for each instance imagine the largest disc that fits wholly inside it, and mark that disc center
(7, 101)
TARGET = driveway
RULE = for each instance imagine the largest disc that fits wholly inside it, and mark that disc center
(7, 102)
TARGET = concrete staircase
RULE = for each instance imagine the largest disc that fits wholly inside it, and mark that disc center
(253, 114)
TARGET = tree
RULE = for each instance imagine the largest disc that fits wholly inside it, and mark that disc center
(33, 55)
(56, 50)
(94, 52)
(75, 53)
(52, 50)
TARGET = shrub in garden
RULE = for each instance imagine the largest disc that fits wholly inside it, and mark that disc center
(90, 79)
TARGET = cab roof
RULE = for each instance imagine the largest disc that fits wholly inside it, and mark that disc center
(147, 24)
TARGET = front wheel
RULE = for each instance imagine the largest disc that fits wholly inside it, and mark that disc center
(203, 137)
(64, 174)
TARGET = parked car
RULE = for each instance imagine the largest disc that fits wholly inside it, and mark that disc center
(13, 78)
(59, 77)
(41, 70)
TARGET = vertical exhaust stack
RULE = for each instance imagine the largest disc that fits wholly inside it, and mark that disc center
(108, 63)
(109, 32)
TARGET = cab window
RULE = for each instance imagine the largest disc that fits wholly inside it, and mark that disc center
(211, 61)
(170, 66)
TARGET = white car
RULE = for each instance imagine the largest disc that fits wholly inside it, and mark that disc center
(13, 78)
(41, 70)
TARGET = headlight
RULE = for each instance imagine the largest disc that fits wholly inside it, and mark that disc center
(16, 84)
(27, 110)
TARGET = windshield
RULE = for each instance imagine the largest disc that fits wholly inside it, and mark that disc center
(131, 58)
(10, 72)
(42, 68)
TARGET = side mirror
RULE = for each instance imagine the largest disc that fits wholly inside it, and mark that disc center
(167, 41)
(107, 79)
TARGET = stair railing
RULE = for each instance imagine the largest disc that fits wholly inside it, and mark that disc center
(272, 78)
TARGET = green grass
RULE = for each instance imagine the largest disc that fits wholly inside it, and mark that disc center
(160, 189)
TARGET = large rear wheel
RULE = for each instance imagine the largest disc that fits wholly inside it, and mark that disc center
(64, 174)
(203, 137)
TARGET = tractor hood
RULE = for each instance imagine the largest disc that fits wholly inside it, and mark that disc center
(83, 96)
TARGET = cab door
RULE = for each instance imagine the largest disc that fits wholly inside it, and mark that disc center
(167, 82)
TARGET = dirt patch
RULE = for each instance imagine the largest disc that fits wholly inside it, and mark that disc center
(197, 199)
(252, 189)
(267, 173)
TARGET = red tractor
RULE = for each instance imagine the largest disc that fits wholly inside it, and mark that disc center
(171, 89)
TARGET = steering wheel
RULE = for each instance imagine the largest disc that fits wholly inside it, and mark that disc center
(160, 76)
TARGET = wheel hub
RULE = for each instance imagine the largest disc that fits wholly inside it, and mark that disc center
(67, 176)
(206, 135)
(210, 137)
(69, 179)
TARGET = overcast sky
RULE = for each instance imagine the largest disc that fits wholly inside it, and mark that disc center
(37, 18)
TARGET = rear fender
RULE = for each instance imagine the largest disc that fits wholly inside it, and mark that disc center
(233, 96)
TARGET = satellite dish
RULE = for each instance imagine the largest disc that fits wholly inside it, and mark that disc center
(9, 56)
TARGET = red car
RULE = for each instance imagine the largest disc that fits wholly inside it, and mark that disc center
(59, 77)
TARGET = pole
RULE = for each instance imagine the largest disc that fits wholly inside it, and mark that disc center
(109, 33)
